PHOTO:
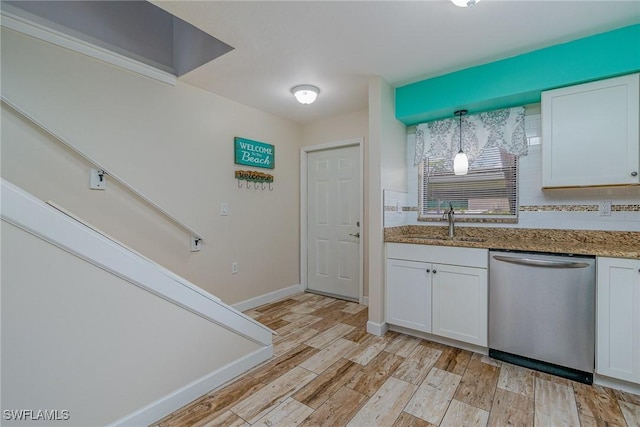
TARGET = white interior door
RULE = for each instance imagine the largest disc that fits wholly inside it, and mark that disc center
(333, 223)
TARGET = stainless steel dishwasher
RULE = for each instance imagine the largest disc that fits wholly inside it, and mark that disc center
(542, 312)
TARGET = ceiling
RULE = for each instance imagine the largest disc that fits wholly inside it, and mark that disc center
(338, 45)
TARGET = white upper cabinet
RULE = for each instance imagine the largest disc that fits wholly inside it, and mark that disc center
(590, 134)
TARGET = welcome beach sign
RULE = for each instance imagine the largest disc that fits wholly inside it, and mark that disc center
(254, 153)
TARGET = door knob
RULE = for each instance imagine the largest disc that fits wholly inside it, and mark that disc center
(634, 173)
(355, 234)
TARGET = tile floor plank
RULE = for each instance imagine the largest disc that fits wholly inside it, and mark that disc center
(292, 341)
(631, 413)
(431, 400)
(384, 407)
(555, 405)
(327, 337)
(358, 319)
(227, 419)
(511, 409)
(453, 360)
(210, 406)
(402, 345)
(329, 355)
(460, 414)
(418, 364)
(478, 384)
(354, 308)
(596, 402)
(369, 379)
(337, 410)
(368, 349)
(283, 364)
(267, 398)
(516, 379)
(288, 413)
(326, 384)
(408, 420)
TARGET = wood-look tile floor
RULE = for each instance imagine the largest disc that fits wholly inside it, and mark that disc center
(327, 371)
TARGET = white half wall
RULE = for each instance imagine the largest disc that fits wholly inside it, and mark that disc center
(77, 338)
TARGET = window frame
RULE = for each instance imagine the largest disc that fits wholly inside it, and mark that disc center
(462, 217)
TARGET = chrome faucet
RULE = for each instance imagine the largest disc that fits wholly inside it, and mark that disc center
(450, 215)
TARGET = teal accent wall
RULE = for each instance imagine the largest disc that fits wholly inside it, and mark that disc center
(520, 79)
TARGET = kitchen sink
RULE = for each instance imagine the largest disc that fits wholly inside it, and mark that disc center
(444, 239)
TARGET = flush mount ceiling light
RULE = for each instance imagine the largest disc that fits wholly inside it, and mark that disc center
(465, 3)
(305, 94)
(460, 162)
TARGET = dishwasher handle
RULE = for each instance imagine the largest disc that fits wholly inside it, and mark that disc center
(541, 262)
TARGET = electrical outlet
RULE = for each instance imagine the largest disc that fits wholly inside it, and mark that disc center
(234, 268)
(604, 208)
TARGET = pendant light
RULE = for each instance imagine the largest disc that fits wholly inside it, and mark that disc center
(465, 3)
(460, 162)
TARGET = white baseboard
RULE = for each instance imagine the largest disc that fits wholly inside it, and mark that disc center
(267, 298)
(442, 340)
(378, 329)
(176, 400)
(616, 384)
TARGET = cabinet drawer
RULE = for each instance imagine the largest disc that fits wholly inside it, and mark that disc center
(469, 257)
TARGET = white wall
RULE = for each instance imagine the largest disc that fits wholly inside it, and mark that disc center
(175, 145)
(77, 338)
(386, 169)
(337, 128)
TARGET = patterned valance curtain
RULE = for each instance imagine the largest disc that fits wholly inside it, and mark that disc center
(499, 128)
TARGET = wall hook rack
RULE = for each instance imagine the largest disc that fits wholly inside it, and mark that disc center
(259, 179)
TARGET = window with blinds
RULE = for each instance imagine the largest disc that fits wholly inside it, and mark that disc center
(488, 190)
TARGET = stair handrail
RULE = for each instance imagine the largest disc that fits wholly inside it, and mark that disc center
(97, 165)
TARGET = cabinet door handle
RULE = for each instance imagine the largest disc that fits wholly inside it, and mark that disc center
(428, 271)
(434, 272)
(634, 173)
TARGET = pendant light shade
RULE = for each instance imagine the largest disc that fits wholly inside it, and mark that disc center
(460, 162)
(465, 3)
(305, 94)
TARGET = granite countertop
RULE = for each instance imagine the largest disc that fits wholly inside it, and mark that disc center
(617, 244)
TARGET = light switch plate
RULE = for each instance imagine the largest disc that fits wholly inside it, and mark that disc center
(196, 243)
(98, 180)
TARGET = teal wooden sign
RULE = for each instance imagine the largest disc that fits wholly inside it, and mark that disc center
(254, 153)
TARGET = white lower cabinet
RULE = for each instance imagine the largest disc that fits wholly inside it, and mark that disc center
(439, 290)
(409, 294)
(460, 303)
(618, 319)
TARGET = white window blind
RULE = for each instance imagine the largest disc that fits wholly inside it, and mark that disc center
(489, 189)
